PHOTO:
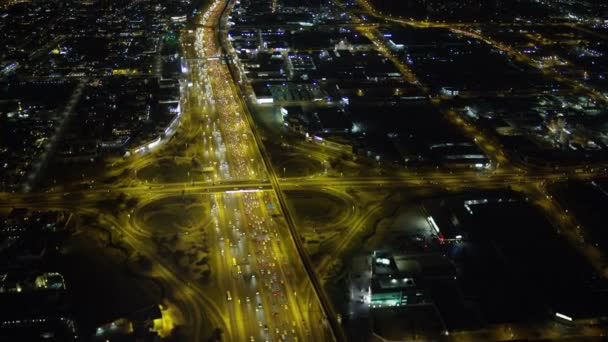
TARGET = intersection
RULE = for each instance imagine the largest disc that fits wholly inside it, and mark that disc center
(263, 285)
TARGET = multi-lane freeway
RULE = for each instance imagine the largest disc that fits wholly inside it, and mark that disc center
(259, 270)
(263, 285)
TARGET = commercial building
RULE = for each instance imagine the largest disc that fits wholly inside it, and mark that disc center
(392, 283)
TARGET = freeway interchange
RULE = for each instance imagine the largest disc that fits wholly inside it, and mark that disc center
(263, 286)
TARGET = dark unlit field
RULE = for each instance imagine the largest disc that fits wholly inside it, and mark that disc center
(110, 282)
(173, 215)
(168, 171)
(315, 207)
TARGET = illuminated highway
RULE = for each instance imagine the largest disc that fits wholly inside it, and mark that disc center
(259, 274)
(261, 288)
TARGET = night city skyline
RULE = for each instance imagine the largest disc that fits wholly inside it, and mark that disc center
(303, 170)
